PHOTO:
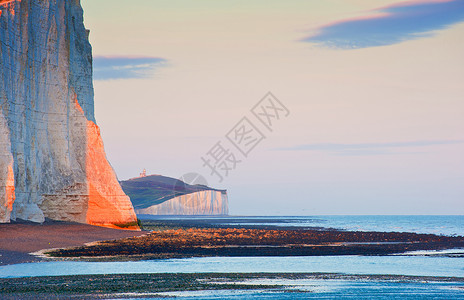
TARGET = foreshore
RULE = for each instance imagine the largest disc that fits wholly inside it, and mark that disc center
(198, 238)
(182, 243)
(19, 239)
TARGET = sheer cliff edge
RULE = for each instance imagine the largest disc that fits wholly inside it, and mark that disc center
(52, 161)
(161, 195)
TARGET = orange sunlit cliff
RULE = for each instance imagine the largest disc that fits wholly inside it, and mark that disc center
(107, 201)
(52, 160)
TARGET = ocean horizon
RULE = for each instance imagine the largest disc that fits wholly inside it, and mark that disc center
(451, 225)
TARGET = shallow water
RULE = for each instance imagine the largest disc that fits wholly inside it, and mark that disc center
(394, 265)
(335, 289)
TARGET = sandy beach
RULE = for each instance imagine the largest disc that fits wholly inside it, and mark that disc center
(17, 240)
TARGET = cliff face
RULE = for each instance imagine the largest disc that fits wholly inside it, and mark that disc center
(52, 161)
(208, 202)
(161, 195)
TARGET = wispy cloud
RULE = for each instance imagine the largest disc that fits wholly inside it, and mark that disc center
(106, 68)
(368, 148)
(390, 25)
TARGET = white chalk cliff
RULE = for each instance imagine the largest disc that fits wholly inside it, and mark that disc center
(162, 195)
(207, 202)
(52, 161)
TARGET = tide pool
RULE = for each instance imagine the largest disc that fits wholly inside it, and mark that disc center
(376, 265)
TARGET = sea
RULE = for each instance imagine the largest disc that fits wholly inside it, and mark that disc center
(445, 263)
(440, 225)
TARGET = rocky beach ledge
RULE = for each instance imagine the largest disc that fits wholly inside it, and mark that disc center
(178, 239)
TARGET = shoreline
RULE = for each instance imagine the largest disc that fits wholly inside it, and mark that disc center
(185, 238)
(181, 239)
(176, 239)
(19, 239)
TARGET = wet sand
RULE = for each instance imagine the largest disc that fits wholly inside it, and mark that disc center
(19, 239)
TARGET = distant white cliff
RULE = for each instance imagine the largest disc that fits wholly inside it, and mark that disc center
(161, 195)
(52, 161)
(208, 202)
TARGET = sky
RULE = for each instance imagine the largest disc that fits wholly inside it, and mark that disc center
(364, 116)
